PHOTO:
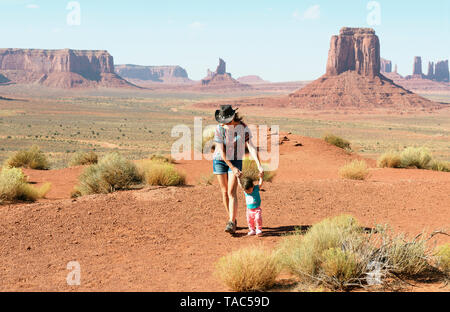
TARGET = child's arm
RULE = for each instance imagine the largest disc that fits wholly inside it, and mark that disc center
(261, 182)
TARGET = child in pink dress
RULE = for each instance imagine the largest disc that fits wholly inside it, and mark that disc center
(253, 201)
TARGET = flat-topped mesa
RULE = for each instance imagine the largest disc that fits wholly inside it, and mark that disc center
(354, 49)
(162, 74)
(60, 68)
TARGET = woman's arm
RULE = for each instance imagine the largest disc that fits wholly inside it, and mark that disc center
(221, 150)
(255, 155)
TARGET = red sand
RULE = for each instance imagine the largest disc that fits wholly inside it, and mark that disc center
(168, 239)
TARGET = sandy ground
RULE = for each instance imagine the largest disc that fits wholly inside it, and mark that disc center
(168, 239)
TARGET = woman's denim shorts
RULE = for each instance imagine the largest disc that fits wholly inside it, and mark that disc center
(221, 167)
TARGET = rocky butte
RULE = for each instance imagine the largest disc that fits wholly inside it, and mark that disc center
(353, 78)
(221, 79)
(160, 74)
(60, 68)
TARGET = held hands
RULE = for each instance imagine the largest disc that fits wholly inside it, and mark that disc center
(237, 172)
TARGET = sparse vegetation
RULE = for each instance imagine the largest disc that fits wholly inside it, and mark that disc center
(113, 172)
(356, 170)
(390, 160)
(412, 157)
(338, 254)
(83, 159)
(337, 141)
(32, 158)
(207, 179)
(248, 269)
(443, 257)
(160, 173)
(161, 158)
(250, 170)
(14, 187)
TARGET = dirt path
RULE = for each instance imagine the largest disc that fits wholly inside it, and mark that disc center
(168, 239)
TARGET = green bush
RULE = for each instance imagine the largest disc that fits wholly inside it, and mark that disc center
(337, 141)
(32, 158)
(113, 172)
(83, 159)
(248, 269)
(160, 173)
(14, 186)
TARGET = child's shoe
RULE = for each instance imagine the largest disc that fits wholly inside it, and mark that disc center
(259, 233)
(252, 232)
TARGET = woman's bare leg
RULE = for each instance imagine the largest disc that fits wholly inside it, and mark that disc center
(223, 183)
(232, 196)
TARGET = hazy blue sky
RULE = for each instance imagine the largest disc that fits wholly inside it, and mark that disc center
(278, 40)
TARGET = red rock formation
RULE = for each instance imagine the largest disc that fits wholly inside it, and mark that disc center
(386, 66)
(417, 68)
(441, 71)
(162, 74)
(430, 74)
(353, 78)
(60, 68)
(220, 79)
(355, 49)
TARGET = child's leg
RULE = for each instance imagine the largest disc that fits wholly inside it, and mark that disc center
(251, 219)
(258, 218)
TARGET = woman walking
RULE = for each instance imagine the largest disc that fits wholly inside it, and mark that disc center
(231, 137)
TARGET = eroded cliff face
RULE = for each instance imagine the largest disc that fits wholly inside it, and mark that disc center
(162, 74)
(60, 68)
(353, 78)
(354, 49)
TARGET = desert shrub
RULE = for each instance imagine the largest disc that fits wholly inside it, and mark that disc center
(161, 158)
(160, 173)
(338, 254)
(82, 159)
(303, 256)
(250, 170)
(443, 257)
(248, 269)
(337, 141)
(407, 257)
(14, 186)
(207, 179)
(418, 157)
(390, 160)
(113, 172)
(32, 158)
(356, 170)
(207, 145)
(438, 165)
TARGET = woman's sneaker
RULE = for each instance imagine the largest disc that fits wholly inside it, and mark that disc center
(252, 232)
(231, 228)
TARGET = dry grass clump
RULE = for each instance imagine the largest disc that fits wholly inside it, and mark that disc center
(32, 158)
(161, 158)
(207, 144)
(418, 157)
(412, 157)
(248, 269)
(338, 254)
(14, 187)
(356, 170)
(438, 165)
(390, 159)
(443, 257)
(160, 173)
(113, 172)
(337, 141)
(83, 159)
(250, 170)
